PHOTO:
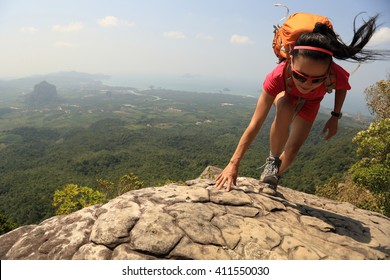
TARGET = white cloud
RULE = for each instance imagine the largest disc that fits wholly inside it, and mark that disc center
(174, 35)
(380, 37)
(30, 29)
(110, 21)
(62, 44)
(74, 26)
(205, 37)
(241, 40)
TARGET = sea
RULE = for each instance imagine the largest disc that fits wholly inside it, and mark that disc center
(355, 102)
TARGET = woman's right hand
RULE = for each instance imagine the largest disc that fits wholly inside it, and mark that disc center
(228, 176)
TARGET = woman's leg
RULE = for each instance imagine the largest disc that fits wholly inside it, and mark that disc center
(299, 132)
(279, 133)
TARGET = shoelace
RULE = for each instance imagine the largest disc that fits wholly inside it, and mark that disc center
(272, 163)
(271, 167)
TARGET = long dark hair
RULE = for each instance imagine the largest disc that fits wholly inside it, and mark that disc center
(324, 37)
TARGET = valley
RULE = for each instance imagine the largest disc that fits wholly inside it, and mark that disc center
(104, 132)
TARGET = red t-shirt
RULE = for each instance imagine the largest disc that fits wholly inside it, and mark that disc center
(274, 83)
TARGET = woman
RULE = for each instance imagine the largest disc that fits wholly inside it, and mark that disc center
(297, 102)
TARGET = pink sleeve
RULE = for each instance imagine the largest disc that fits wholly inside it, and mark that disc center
(342, 77)
(274, 81)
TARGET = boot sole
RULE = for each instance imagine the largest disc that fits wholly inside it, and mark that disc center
(272, 180)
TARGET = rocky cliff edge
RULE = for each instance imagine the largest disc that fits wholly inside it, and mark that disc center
(196, 221)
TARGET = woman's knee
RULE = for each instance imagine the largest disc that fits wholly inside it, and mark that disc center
(284, 105)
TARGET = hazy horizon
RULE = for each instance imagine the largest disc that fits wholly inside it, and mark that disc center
(195, 44)
(356, 102)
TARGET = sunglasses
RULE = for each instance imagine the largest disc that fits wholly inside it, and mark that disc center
(303, 78)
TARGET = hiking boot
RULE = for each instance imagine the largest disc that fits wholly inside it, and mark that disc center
(271, 170)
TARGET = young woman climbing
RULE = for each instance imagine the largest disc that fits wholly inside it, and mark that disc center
(297, 100)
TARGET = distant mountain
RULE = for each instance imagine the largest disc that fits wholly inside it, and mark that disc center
(43, 94)
(71, 79)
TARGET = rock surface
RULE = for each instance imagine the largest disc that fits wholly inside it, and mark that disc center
(196, 221)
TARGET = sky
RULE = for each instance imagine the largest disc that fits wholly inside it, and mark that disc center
(202, 45)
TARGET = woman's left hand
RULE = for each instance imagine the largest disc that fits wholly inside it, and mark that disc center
(330, 128)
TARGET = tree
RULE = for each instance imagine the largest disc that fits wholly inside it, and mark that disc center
(73, 197)
(348, 191)
(106, 187)
(373, 170)
(126, 183)
(378, 98)
(129, 182)
(6, 225)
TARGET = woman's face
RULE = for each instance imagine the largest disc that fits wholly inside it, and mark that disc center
(308, 74)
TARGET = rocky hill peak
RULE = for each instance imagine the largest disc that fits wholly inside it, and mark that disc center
(196, 221)
(43, 94)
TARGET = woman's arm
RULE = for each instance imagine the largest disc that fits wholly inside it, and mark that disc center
(330, 128)
(229, 174)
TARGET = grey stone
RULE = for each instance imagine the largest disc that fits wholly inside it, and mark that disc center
(106, 231)
(155, 233)
(91, 251)
(187, 249)
(196, 221)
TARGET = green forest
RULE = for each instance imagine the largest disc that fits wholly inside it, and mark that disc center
(157, 134)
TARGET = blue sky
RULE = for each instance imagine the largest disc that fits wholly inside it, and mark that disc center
(193, 43)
